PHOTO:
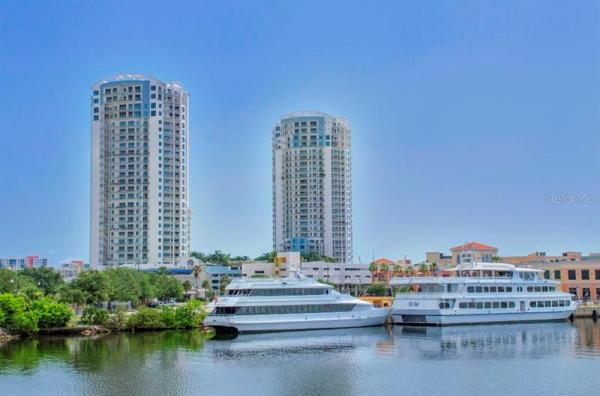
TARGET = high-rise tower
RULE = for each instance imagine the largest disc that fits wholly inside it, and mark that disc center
(140, 172)
(312, 185)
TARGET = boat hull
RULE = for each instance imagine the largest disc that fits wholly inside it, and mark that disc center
(256, 324)
(429, 319)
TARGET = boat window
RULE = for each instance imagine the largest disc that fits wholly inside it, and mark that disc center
(479, 305)
(478, 289)
(555, 303)
(508, 289)
(500, 289)
(471, 305)
(486, 289)
(492, 289)
(545, 288)
(547, 303)
(470, 289)
(532, 304)
(503, 304)
(462, 305)
(538, 289)
(511, 304)
(496, 304)
(551, 288)
(530, 289)
(487, 304)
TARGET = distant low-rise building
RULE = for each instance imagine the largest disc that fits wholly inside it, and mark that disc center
(384, 269)
(216, 273)
(578, 274)
(343, 275)
(258, 269)
(18, 263)
(466, 253)
(70, 269)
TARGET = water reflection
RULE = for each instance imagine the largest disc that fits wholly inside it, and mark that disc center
(349, 361)
(488, 341)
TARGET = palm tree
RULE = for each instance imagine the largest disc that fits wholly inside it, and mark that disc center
(397, 269)
(433, 267)
(423, 268)
(196, 270)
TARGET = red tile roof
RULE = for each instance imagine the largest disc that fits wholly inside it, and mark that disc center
(383, 260)
(473, 246)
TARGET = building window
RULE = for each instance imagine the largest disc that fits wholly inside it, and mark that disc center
(572, 275)
(586, 294)
(573, 291)
(547, 274)
(556, 274)
(585, 274)
(597, 276)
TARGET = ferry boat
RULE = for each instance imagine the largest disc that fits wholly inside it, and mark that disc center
(480, 293)
(293, 303)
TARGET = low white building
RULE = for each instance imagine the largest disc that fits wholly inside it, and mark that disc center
(258, 269)
(342, 275)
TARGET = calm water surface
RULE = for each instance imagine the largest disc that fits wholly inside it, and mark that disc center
(524, 359)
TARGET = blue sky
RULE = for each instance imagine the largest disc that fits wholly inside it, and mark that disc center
(466, 115)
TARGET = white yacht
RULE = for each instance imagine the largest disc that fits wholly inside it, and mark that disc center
(480, 293)
(293, 303)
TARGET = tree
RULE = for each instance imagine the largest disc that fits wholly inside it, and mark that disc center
(94, 285)
(12, 282)
(423, 268)
(218, 257)
(268, 256)
(47, 279)
(187, 285)
(240, 258)
(167, 287)
(377, 289)
(225, 280)
(433, 267)
(196, 270)
(373, 267)
(397, 269)
(199, 255)
(125, 284)
(496, 259)
(315, 256)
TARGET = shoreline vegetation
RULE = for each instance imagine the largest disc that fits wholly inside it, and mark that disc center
(38, 302)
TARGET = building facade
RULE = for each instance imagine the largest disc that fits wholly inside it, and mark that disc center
(312, 185)
(18, 263)
(578, 274)
(139, 172)
(258, 269)
(343, 275)
(216, 273)
(466, 253)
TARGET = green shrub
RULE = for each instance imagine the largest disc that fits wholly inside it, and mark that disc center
(94, 316)
(24, 322)
(189, 316)
(117, 321)
(168, 317)
(51, 313)
(145, 319)
(377, 289)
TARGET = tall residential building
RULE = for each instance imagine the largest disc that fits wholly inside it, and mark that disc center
(140, 172)
(312, 185)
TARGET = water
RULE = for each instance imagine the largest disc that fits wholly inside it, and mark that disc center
(521, 359)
